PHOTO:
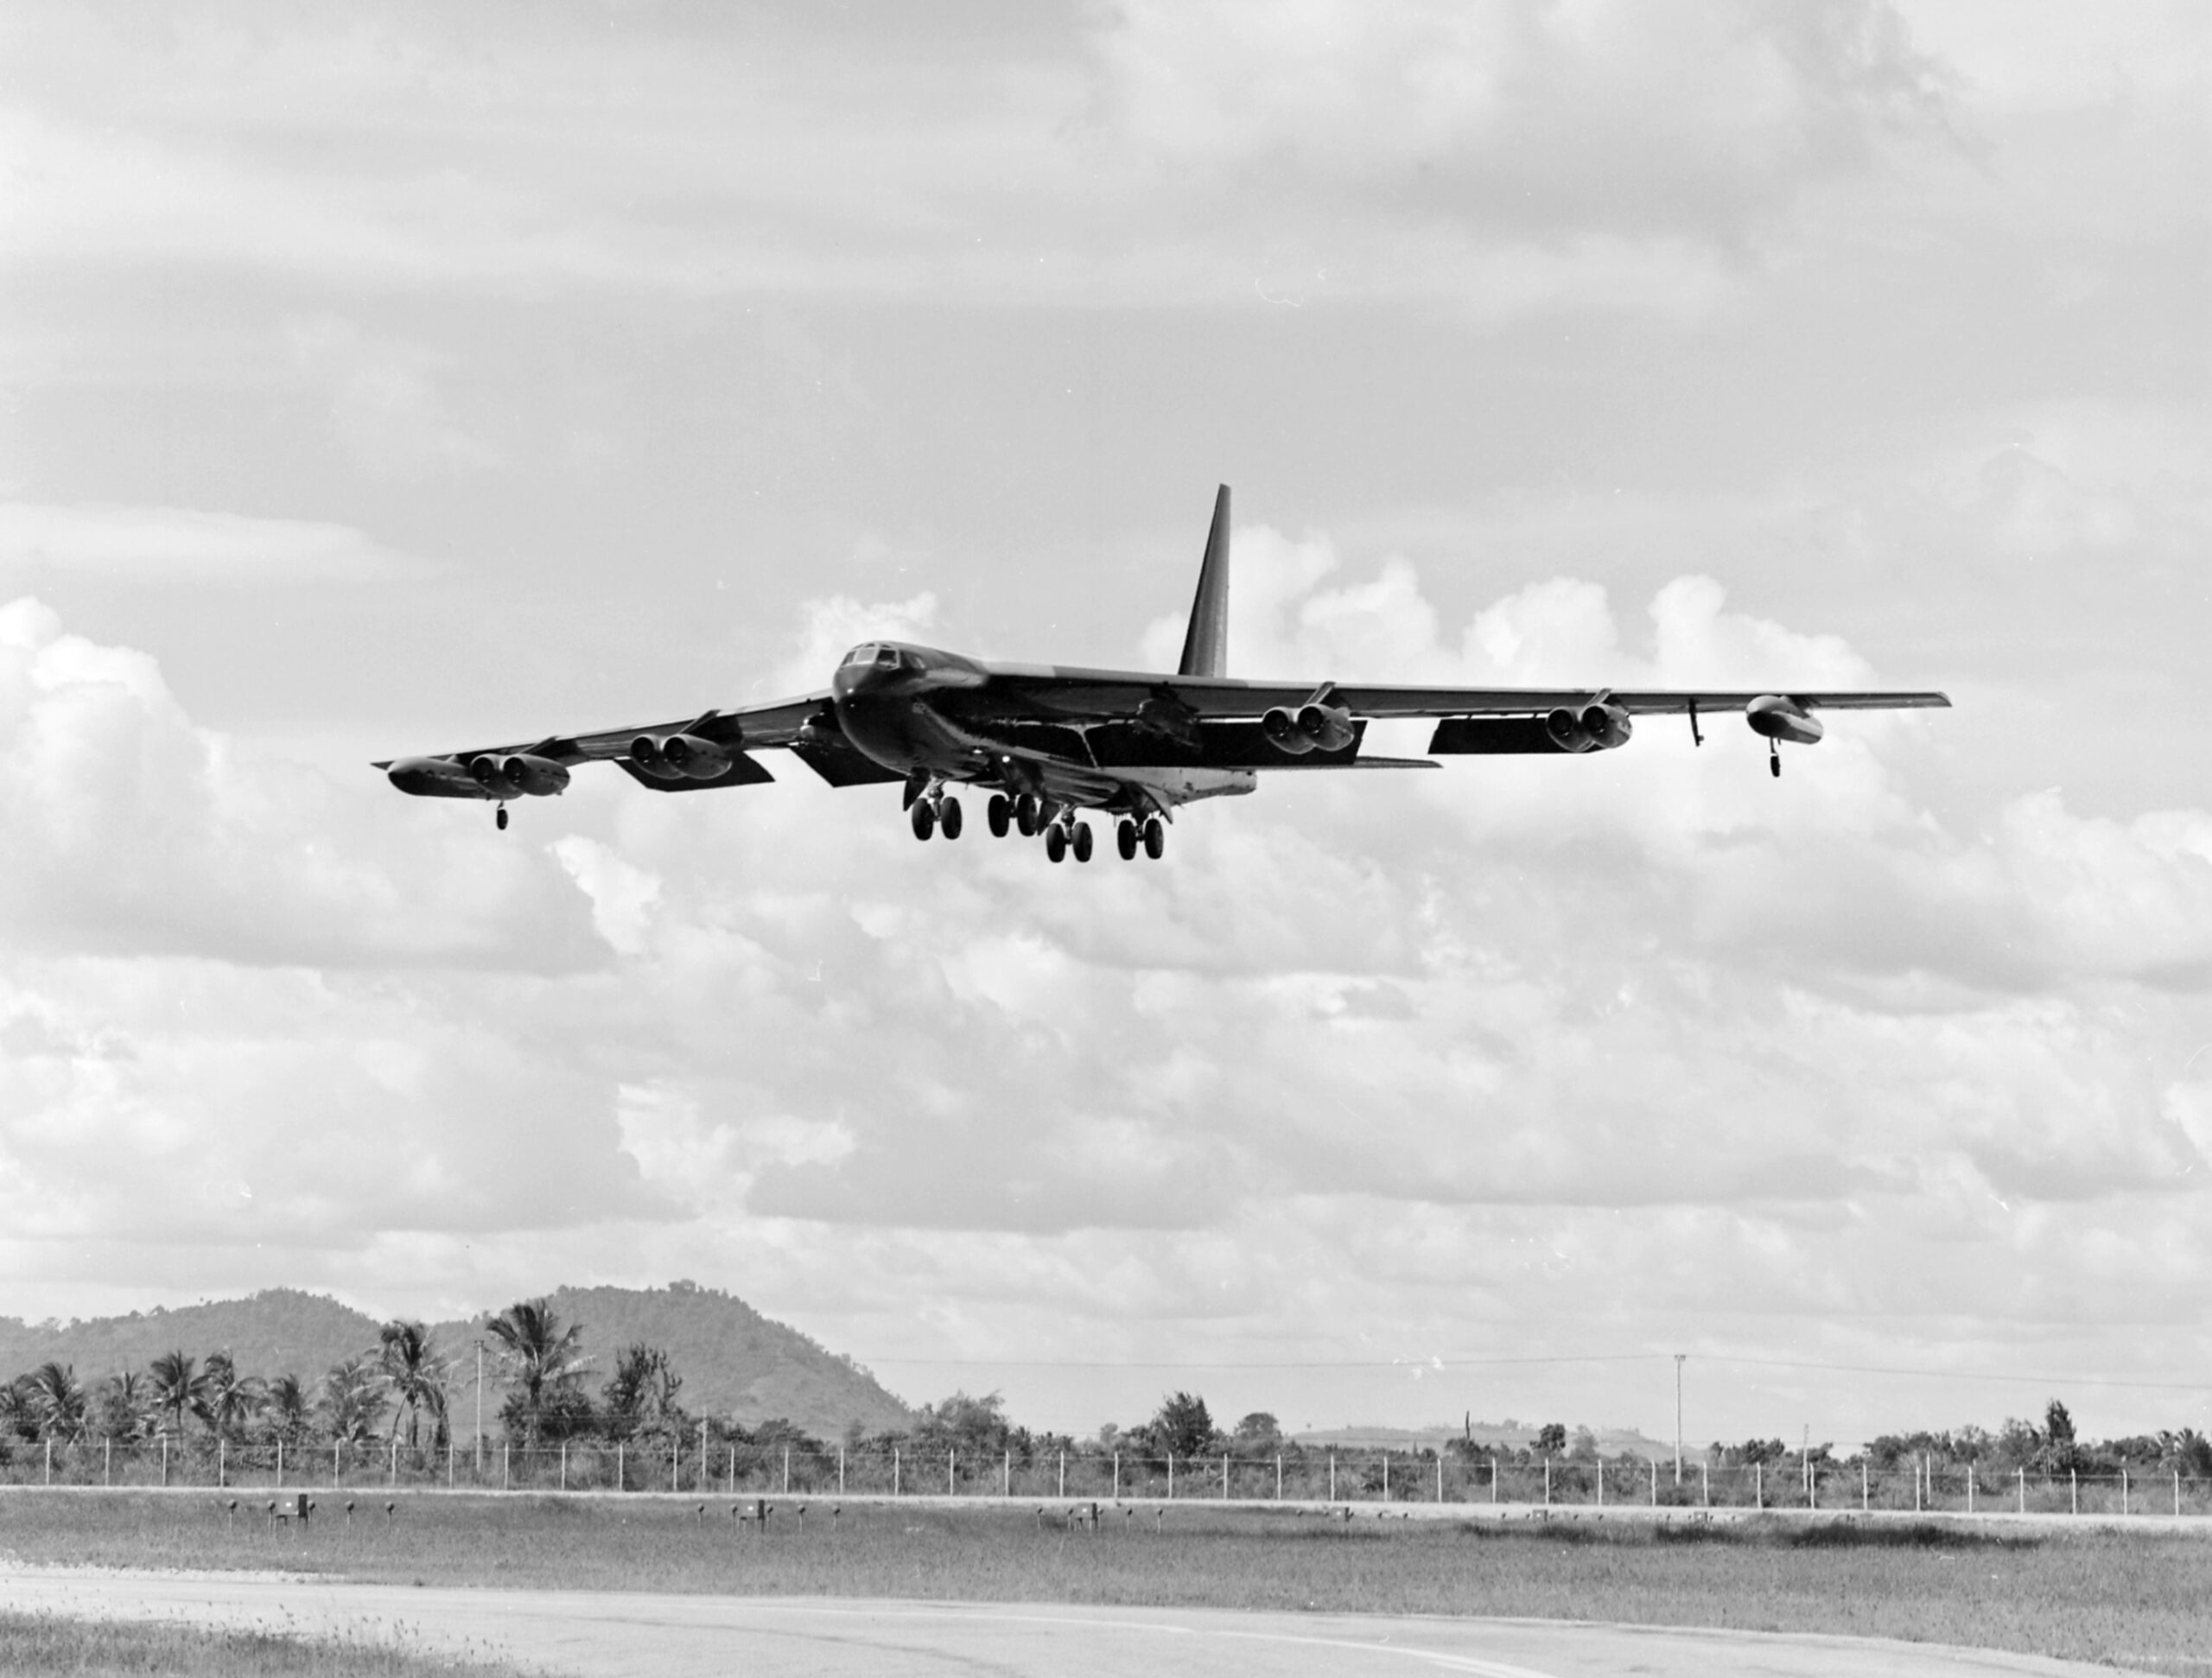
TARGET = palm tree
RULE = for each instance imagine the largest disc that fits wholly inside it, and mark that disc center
(418, 1374)
(284, 1408)
(121, 1403)
(542, 1358)
(353, 1400)
(226, 1397)
(176, 1386)
(54, 1401)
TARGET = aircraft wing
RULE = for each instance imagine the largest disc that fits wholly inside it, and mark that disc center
(1106, 696)
(806, 726)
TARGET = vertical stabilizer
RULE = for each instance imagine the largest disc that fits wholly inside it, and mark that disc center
(1205, 648)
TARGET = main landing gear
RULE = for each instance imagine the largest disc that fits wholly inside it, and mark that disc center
(929, 815)
(1151, 833)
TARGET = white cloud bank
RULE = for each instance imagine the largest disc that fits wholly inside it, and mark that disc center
(1647, 1043)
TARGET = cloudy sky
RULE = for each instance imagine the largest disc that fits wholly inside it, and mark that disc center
(399, 377)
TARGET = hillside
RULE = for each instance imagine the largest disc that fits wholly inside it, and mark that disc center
(734, 1362)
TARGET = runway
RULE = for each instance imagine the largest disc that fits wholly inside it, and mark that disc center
(635, 1635)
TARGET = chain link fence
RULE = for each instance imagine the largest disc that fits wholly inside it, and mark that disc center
(1345, 1476)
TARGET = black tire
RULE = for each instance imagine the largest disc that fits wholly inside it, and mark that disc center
(1024, 817)
(924, 817)
(1056, 842)
(999, 814)
(499, 821)
(1081, 840)
(1155, 838)
(948, 816)
(1125, 839)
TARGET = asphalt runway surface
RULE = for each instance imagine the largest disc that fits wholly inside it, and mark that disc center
(600, 1634)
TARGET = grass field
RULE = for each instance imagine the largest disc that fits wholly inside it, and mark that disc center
(52, 1644)
(2137, 1600)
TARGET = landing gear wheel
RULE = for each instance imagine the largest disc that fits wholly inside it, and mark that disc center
(500, 820)
(999, 814)
(1155, 837)
(1125, 839)
(948, 816)
(1025, 815)
(1773, 760)
(1056, 842)
(924, 817)
(1081, 840)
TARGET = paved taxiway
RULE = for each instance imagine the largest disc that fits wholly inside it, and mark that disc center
(599, 1634)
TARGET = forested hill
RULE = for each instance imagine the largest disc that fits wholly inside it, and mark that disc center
(734, 1362)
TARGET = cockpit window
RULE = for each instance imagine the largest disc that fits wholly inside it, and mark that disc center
(861, 655)
(887, 657)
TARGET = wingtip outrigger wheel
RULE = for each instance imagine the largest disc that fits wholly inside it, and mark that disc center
(1774, 758)
(499, 818)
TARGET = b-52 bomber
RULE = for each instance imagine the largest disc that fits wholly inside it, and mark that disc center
(1046, 742)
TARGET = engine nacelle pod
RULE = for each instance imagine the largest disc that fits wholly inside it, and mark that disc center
(646, 752)
(1608, 726)
(518, 774)
(1565, 730)
(1778, 718)
(689, 755)
(1329, 727)
(1280, 727)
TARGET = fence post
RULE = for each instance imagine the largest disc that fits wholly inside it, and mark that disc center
(1386, 1477)
(1493, 1479)
(165, 1459)
(1704, 1482)
(1171, 1474)
(1224, 1477)
(506, 1464)
(564, 1465)
(1277, 1477)
(952, 1468)
(1972, 1475)
(1547, 1482)
(2123, 1489)
(449, 1462)
(1006, 1476)
(1440, 1476)
(1332, 1476)
(334, 1448)
(50, 1462)
(1117, 1476)
(222, 1463)
(1601, 1482)
(621, 1465)
(2023, 1473)
(1812, 1485)
(1655, 1483)
(1758, 1484)
(733, 1471)
(395, 1459)
(1865, 1491)
(2176, 1494)
(841, 1468)
(895, 1471)
(107, 1465)
(280, 1464)
(2073, 1488)
(787, 1470)
(1063, 1471)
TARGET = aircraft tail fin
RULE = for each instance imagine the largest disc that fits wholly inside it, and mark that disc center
(1205, 646)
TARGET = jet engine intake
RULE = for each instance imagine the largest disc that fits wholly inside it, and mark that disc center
(518, 774)
(1312, 727)
(646, 752)
(1778, 718)
(1608, 726)
(1567, 732)
(1280, 727)
(692, 757)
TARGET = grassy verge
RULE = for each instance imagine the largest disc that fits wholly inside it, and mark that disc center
(110, 1649)
(2131, 1599)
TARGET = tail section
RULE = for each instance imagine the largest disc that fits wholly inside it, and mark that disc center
(1205, 648)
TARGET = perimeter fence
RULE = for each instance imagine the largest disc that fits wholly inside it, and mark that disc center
(1307, 1476)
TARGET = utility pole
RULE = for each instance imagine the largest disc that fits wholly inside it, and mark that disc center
(1678, 1416)
(479, 1412)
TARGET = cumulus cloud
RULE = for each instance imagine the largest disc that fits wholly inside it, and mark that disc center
(182, 544)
